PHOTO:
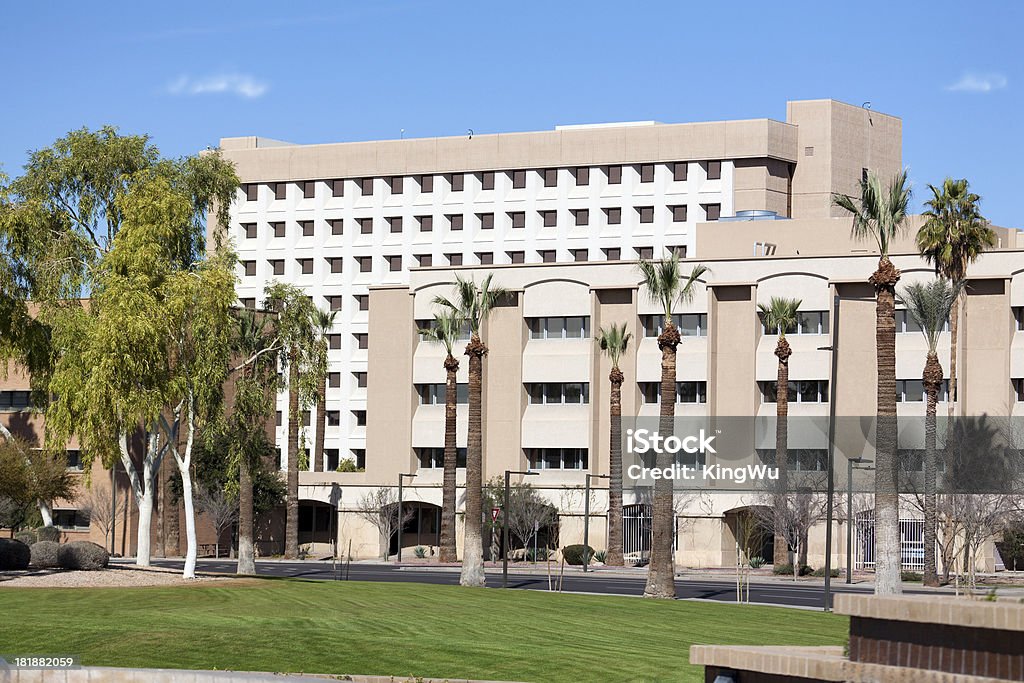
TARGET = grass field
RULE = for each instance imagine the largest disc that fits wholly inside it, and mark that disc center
(392, 629)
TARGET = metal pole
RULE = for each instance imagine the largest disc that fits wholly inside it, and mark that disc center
(586, 526)
(849, 521)
(401, 520)
(504, 533)
(831, 454)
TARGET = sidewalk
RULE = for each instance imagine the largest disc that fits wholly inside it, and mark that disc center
(100, 674)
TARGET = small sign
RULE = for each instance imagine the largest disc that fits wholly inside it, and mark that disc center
(494, 514)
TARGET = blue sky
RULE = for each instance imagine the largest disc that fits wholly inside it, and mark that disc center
(190, 73)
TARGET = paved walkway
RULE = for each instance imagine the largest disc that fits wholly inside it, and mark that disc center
(101, 674)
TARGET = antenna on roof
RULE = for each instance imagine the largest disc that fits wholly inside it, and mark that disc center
(470, 131)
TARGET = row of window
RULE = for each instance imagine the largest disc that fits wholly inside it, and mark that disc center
(548, 393)
(456, 182)
(688, 324)
(538, 458)
(799, 391)
(332, 418)
(810, 322)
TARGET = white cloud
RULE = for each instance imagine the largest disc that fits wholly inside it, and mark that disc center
(230, 83)
(976, 82)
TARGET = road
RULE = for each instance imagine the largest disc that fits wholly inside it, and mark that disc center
(778, 592)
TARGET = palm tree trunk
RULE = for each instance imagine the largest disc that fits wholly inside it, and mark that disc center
(932, 382)
(246, 553)
(291, 531)
(887, 525)
(448, 551)
(473, 551)
(783, 352)
(613, 556)
(954, 332)
(321, 424)
(661, 570)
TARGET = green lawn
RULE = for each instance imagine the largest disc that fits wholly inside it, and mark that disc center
(396, 629)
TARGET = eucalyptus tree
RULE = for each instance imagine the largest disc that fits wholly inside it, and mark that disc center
(324, 322)
(304, 357)
(474, 303)
(613, 341)
(82, 220)
(879, 215)
(953, 237)
(447, 330)
(667, 286)
(930, 305)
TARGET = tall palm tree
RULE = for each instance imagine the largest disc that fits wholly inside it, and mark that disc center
(667, 286)
(951, 239)
(613, 340)
(324, 322)
(879, 214)
(446, 330)
(930, 306)
(474, 303)
(780, 315)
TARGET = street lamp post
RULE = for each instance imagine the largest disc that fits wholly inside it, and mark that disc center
(834, 349)
(504, 525)
(849, 511)
(401, 517)
(586, 519)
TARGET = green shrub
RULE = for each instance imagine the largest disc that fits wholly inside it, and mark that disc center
(347, 465)
(48, 533)
(26, 536)
(787, 570)
(44, 555)
(82, 555)
(911, 576)
(821, 573)
(574, 554)
(600, 556)
(540, 554)
(756, 562)
(420, 552)
(14, 554)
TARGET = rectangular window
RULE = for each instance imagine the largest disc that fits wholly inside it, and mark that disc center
(1018, 389)
(582, 175)
(362, 301)
(334, 302)
(250, 231)
(800, 391)
(334, 263)
(309, 189)
(305, 418)
(334, 380)
(366, 186)
(517, 256)
(714, 170)
(426, 183)
(549, 393)
(454, 259)
(456, 181)
(251, 192)
(337, 226)
(425, 260)
(646, 213)
(679, 171)
(547, 255)
(679, 214)
(579, 255)
(334, 341)
(395, 223)
(433, 458)
(360, 378)
(333, 458)
(612, 254)
(248, 302)
(362, 340)
(679, 250)
(686, 392)
(307, 228)
(365, 263)
(645, 253)
(338, 188)
(613, 215)
(396, 183)
(572, 327)
(485, 258)
(280, 190)
(646, 172)
(550, 176)
(518, 179)
(278, 229)
(455, 221)
(15, 400)
(486, 221)
(279, 419)
(807, 322)
(359, 455)
(1018, 316)
(435, 394)
(71, 519)
(250, 268)
(277, 267)
(582, 216)
(518, 219)
(549, 218)
(557, 458)
(333, 418)
(487, 180)
(712, 211)
(614, 174)
(365, 225)
(426, 223)
(360, 416)
(688, 324)
(394, 263)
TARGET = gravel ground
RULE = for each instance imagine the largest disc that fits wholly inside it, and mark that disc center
(113, 576)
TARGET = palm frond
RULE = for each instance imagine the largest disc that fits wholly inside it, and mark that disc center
(881, 212)
(929, 305)
(665, 285)
(446, 328)
(780, 314)
(614, 340)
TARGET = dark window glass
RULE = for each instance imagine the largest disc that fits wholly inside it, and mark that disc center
(363, 301)
(550, 176)
(614, 216)
(426, 183)
(280, 190)
(394, 263)
(250, 231)
(613, 254)
(425, 260)
(337, 226)
(646, 173)
(518, 179)
(366, 186)
(334, 301)
(366, 225)
(278, 229)
(334, 341)
(307, 228)
(679, 214)
(487, 180)
(582, 175)
(679, 171)
(395, 223)
(251, 192)
(365, 263)
(335, 264)
(456, 181)
(713, 211)
(455, 259)
(579, 255)
(582, 216)
(397, 183)
(646, 214)
(277, 267)
(426, 223)
(486, 258)
(517, 256)
(309, 189)
(614, 174)
(550, 218)
(334, 379)
(518, 219)
(455, 221)
(714, 170)
(338, 188)
(486, 221)
(250, 268)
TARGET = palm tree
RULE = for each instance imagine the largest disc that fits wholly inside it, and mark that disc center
(446, 330)
(613, 340)
(779, 315)
(474, 304)
(930, 306)
(951, 239)
(880, 214)
(666, 286)
(324, 322)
